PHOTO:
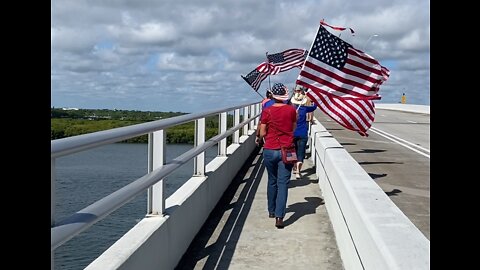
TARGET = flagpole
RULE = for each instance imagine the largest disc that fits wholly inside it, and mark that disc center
(259, 95)
(269, 86)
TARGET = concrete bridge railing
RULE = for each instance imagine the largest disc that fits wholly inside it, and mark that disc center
(371, 231)
(159, 242)
(171, 223)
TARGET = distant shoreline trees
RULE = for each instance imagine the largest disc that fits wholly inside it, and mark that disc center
(67, 123)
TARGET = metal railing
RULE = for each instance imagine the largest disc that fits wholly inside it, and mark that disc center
(158, 169)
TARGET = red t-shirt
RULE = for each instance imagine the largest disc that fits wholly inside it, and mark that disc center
(279, 121)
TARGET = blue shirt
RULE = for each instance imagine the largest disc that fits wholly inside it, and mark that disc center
(268, 103)
(302, 125)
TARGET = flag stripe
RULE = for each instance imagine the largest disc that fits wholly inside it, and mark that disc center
(265, 67)
(354, 76)
(255, 78)
(258, 81)
(327, 107)
(346, 81)
(286, 60)
(317, 77)
(357, 115)
(368, 68)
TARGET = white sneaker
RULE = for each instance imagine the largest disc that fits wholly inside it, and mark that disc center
(298, 175)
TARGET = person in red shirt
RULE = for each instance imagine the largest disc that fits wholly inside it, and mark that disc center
(276, 129)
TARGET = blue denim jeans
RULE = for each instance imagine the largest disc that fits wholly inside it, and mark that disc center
(300, 145)
(278, 179)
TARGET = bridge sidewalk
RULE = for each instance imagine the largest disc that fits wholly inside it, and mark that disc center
(239, 235)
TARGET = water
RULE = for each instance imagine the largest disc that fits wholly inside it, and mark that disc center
(85, 177)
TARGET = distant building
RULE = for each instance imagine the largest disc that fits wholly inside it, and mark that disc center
(70, 109)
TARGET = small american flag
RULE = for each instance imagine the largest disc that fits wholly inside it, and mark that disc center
(286, 60)
(343, 81)
(255, 78)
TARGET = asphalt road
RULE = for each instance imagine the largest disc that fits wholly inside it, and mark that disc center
(396, 154)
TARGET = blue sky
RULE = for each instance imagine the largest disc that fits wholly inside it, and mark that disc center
(188, 55)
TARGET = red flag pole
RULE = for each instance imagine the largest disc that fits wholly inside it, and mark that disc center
(269, 86)
(322, 22)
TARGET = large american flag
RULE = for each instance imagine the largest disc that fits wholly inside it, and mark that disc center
(255, 78)
(286, 60)
(343, 81)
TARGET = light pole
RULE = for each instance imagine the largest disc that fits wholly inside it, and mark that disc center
(366, 42)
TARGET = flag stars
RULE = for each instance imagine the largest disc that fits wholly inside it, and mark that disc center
(330, 49)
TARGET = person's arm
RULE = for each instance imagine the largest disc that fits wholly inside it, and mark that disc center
(261, 134)
(259, 123)
(311, 108)
(258, 128)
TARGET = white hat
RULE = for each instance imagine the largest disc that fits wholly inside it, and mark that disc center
(299, 99)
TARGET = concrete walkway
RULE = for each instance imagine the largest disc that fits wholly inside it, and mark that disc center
(239, 234)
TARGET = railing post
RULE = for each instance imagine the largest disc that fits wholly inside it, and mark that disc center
(199, 161)
(52, 204)
(236, 121)
(252, 113)
(222, 126)
(245, 117)
(311, 138)
(156, 159)
(257, 110)
(313, 151)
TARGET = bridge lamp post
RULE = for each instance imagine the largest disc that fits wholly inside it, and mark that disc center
(366, 42)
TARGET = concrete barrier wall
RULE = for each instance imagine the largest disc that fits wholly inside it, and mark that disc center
(371, 232)
(159, 242)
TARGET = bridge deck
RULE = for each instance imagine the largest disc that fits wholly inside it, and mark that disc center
(239, 235)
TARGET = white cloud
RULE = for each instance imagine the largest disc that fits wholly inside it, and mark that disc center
(133, 54)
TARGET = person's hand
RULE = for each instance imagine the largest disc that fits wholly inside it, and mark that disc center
(259, 141)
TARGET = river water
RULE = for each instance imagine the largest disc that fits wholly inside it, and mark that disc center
(86, 177)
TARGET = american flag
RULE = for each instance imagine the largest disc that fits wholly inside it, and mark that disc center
(286, 60)
(255, 78)
(343, 81)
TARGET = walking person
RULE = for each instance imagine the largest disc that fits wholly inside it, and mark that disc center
(267, 99)
(276, 129)
(300, 101)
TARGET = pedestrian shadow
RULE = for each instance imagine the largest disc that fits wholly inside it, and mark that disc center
(394, 192)
(298, 182)
(377, 175)
(301, 209)
(378, 162)
(369, 151)
(225, 223)
(347, 143)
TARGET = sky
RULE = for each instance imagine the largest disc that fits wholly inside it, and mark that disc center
(188, 55)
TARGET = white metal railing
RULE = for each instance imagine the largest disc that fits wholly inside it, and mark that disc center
(158, 169)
